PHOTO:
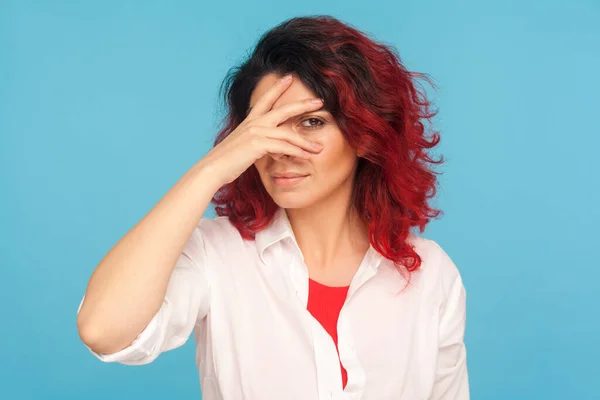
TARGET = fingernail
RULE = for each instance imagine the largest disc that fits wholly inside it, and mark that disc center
(316, 101)
(316, 145)
(286, 79)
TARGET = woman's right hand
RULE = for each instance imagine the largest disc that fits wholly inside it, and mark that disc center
(260, 134)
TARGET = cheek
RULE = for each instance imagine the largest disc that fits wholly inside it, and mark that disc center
(336, 160)
(335, 150)
(260, 165)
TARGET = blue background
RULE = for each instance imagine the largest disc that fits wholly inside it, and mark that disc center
(104, 105)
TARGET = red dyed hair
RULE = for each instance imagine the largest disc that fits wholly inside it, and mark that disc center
(378, 107)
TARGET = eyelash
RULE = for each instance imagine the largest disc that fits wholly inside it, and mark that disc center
(314, 126)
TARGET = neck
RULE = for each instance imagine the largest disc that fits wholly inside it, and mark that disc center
(329, 232)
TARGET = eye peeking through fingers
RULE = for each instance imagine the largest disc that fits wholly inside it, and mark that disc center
(313, 123)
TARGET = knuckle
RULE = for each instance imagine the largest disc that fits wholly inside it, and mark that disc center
(270, 118)
(255, 141)
(252, 130)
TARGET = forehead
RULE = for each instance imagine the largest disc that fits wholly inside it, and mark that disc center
(296, 91)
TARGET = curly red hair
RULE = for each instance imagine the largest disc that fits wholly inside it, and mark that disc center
(378, 107)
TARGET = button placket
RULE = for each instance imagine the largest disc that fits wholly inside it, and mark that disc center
(348, 357)
(329, 377)
(299, 276)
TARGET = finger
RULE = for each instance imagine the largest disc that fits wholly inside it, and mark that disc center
(275, 146)
(292, 137)
(282, 114)
(278, 156)
(266, 100)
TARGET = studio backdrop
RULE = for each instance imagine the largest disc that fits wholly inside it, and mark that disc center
(105, 104)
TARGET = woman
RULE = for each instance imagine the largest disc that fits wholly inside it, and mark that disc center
(309, 283)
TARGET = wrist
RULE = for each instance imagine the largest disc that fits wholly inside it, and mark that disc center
(207, 174)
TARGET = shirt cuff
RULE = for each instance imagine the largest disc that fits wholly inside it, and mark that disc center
(140, 351)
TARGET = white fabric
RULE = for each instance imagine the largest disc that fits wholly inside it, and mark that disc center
(246, 301)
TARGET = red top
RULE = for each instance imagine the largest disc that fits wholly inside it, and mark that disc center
(325, 303)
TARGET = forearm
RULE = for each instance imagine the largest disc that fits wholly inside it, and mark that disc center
(128, 286)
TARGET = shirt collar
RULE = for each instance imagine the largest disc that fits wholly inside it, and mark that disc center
(280, 228)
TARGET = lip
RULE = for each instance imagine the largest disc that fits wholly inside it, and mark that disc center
(287, 180)
(288, 175)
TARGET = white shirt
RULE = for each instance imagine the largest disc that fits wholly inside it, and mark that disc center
(246, 303)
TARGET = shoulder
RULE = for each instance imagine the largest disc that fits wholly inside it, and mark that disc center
(438, 272)
(213, 240)
(217, 228)
(219, 234)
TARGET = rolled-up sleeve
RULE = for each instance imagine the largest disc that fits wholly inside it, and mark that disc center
(186, 302)
(451, 378)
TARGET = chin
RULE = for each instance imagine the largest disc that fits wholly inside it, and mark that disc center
(288, 203)
(291, 200)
